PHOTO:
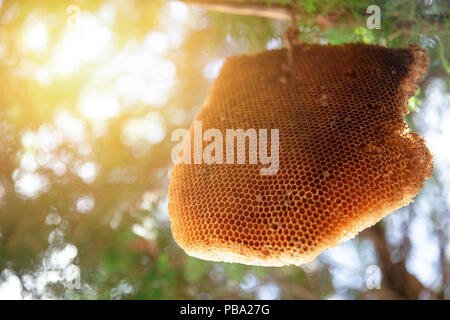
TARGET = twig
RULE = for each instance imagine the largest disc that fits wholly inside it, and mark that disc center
(291, 38)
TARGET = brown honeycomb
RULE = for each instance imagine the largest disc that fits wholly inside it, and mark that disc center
(347, 158)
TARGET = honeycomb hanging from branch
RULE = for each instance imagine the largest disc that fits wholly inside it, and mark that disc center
(346, 157)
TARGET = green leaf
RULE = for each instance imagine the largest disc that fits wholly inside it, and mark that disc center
(195, 269)
(309, 5)
(235, 271)
(414, 101)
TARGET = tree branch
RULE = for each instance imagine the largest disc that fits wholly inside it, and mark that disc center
(271, 11)
(250, 8)
(284, 12)
(395, 275)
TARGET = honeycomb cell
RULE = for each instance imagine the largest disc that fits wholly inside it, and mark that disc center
(346, 156)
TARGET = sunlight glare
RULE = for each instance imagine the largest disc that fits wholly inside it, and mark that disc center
(42, 74)
(61, 258)
(95, 106)
(140, 73)
(108, 13)
(88, 171)
(72, 128)
(85, 204)
(59, 168)
(150, 129)
(178, 11)
(28, 162)
(29, 140)
(147, 229)
(36, 36)
(157, 42)
(212, 69)
(2, 194)
(48, 137)
(11, 287)
(85, 41)
(269, 291)
(31, 184)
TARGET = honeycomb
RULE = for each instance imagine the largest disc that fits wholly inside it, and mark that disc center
(346, 157)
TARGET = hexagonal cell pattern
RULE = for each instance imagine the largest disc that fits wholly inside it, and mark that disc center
(347, 158)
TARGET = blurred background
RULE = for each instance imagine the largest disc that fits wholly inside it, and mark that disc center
(90, 92)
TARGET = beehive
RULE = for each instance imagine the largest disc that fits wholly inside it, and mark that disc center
(347, 158)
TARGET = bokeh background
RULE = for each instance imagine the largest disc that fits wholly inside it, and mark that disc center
(90, 92)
